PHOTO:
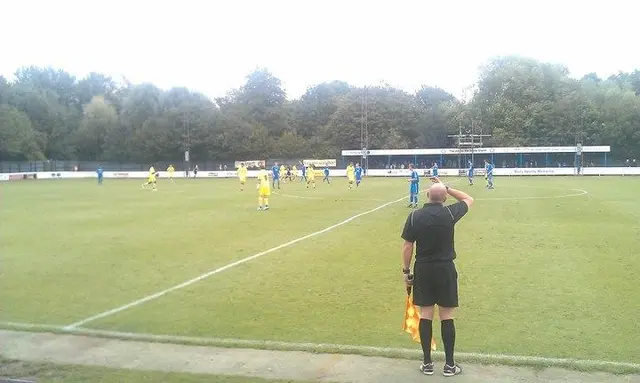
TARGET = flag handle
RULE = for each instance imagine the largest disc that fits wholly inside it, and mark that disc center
(409, 286)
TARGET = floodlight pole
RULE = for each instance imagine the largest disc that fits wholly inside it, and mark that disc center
(472, 143)
(364, 130)
(187, 144)
(578, 161)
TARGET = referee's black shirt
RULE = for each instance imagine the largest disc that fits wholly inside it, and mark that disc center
(432, 229)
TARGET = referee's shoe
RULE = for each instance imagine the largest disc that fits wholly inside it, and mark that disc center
(451, 371)
(427, 369)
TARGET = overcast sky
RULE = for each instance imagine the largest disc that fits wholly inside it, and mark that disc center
(210, 46)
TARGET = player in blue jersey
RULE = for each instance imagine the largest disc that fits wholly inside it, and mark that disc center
(414, 187)
(100, 174)
(304, 174)
(276, 175)
(470, 173)
(326, 175)
(488, 166)
(434, 170)
(359, 173)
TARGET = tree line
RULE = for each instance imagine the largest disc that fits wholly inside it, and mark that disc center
(47, 113)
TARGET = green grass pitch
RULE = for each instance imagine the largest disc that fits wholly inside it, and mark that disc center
(540, 274)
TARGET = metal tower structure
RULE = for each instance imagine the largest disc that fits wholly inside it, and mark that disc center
(467, 138)
(187, 140)
(578, 162)
(364, 129)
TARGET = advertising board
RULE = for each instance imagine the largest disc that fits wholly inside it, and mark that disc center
(320, 163)
(252, 164)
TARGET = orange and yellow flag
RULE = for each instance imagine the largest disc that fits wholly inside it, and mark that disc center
(412, 321)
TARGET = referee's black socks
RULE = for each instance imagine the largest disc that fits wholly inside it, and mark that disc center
(425, 329)
(448, 338)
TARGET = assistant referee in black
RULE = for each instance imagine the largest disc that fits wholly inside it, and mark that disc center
(434, 278)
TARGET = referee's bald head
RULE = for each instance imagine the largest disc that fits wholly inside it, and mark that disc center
(437, 193)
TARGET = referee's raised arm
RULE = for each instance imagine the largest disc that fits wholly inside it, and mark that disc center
(459, 195)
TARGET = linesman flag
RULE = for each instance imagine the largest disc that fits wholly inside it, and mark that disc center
(412, 321)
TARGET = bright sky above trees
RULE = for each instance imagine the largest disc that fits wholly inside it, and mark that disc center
(210, 46)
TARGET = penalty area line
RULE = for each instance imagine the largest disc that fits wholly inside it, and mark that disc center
(223, 268)
(409, 353)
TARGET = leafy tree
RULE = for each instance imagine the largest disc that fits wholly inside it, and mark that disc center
(315, 108)
(55, 121)
(48, 113)
(96, 84)
(99, 119)
(18, 139)
(4, 90)
(434, 125)
(264, 101)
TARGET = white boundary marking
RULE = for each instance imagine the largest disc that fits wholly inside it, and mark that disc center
(315, 347)
(578, 193)
(223, 268)
(297, 196)
(328, 198)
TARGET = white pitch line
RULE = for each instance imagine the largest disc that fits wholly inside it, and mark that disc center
(313, 347)
(298, 196)
(223, 268)
(328, 198)
(579, 193)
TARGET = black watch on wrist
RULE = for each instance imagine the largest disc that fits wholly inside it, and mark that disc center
(406, 271)
(446, 187)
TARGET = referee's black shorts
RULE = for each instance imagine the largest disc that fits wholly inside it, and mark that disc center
(435, 283)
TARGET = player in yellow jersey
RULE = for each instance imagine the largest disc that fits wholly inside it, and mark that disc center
(351, 174)
(264, 189)
(151, 180)
(170, 170)
(283, 173)
(242, 175)
(311, 176)
(294, 173)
